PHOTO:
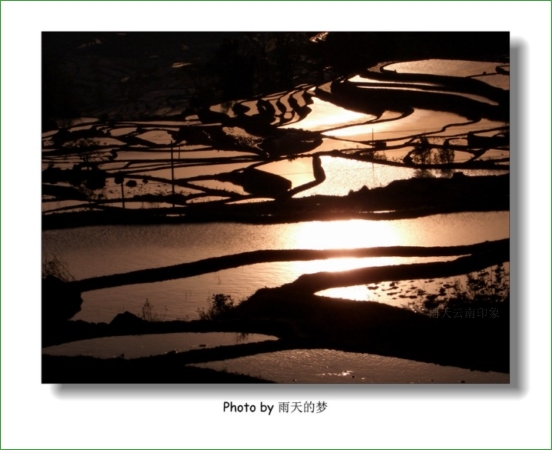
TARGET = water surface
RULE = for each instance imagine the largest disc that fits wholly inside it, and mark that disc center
(104, 250)
(332, 366)
(151, 344)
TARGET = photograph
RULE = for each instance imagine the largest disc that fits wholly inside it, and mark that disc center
(275, 207)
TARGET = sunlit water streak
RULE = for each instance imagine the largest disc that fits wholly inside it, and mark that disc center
(342, 175)
(421, 121)
(345, 175)
(477, 98)
(183, 298)
(326, 115)
(104, 250)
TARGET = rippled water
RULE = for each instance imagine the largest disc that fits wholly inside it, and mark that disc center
(104, 250)
(332, 366)
(152, 344)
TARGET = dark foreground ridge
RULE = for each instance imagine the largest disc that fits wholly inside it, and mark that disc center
(83, 369)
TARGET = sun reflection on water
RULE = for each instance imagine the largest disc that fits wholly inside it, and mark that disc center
(341, 234)
(338, 264)
(326, 115)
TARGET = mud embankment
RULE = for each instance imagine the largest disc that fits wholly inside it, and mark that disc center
(263, 256)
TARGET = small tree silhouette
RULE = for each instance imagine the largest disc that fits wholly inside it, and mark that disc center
(149, 313)
(219, 306)
(422, 153)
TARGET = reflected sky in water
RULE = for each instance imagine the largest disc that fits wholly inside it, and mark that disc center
(326, 115)
(419, 122)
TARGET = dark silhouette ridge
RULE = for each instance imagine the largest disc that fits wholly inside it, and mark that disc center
(354, 51)
(83, 369)
(124, 324)
(60, 301)
(262, 256)
(416, 197)
(357, 97)
(435, 82)
(378, 328)
(264, 62)
(491, 255)
(305, 320)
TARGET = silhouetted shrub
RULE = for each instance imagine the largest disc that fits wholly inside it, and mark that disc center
(487, 287)
(150, 314)
(52, 266)
(219, 306)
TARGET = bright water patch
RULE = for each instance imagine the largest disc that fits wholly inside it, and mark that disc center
(445, 67)
(157, 137)
(345, 175)
(298, 171)
(104, 250)
(182, 298)
(332, 366)
(421, 121)
(326, 115)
